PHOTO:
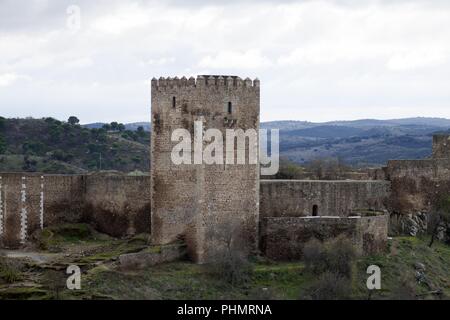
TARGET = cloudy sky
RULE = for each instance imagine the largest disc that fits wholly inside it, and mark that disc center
(317, 60)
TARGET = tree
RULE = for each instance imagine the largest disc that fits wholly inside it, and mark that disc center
(121, 127)
(2, 123)
(2, 145)
(114, 126)
(439, 217)
(73, 120)
(141, 131)
(231, 262)
(29, 165)
(330, 169)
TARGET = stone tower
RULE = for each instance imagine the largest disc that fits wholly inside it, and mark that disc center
(198, 202)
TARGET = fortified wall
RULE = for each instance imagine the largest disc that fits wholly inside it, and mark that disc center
(116, 205)
(120, 205)
(416, 186)
(299, 198)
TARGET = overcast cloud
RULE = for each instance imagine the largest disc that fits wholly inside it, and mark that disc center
(317, 60)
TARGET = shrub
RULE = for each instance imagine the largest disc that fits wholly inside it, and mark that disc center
(314, 256)
(336, 256)
(55, 281)
(232, 267)
(10, 271)
(406, 289)
(230, 261)
(330, 286)
(341, 255)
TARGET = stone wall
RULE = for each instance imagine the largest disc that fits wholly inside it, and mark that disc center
(194, 201)
(116, 205)
(297, 198)
(416, 186)
(283, 238)
(120, 205)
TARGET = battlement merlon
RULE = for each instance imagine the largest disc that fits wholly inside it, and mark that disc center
(204, 81)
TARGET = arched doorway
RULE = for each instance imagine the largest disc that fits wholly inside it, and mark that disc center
(315, 210)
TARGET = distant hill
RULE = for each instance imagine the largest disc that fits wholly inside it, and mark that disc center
(52, 146)
(361, 142)
(364, 123)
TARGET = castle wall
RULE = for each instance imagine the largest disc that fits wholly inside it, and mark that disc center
(283, 238)
(120, 205)
(296, 198)
(116, 205)
(416, 186)
(194, 201)
(27, 198)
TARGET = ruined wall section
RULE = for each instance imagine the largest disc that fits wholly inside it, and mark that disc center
(297, 198)
(193, 201)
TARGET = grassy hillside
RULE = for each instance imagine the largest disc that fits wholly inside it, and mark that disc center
(51, 146)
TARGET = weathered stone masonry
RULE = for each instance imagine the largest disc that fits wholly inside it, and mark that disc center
(416, 186)
(297, 198)
(192, 200)
(116, 205)
(283, 238)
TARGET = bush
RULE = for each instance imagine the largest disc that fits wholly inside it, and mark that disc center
(10, 271)
(230, 261)
(314, 256)
(232, 267)
(336, 256)
(330, 286)
(341, 256)
(406, 290)
(55, 281)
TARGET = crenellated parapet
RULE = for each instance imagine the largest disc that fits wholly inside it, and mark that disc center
(205, 81)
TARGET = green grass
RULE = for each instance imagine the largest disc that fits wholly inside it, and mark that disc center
(289, 280)
(399, 262)
(102, 279)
